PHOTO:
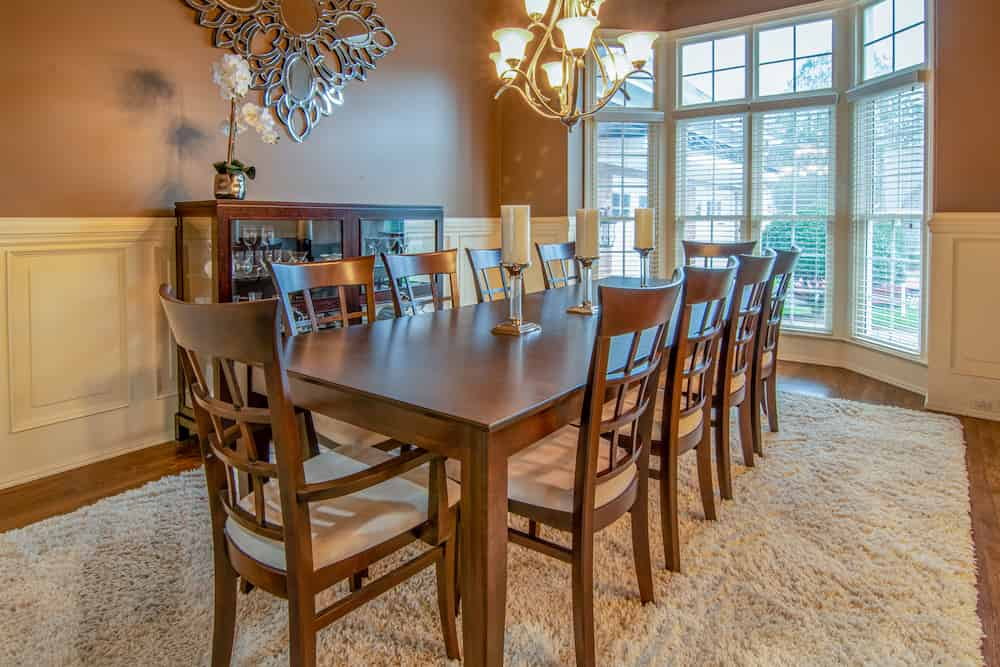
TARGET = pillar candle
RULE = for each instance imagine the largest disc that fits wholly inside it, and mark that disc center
(643, 228)
(515, 234)
(588, 231)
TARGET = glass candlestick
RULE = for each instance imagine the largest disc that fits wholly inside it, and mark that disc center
(515, 324)
(644, 254)
(587, 307)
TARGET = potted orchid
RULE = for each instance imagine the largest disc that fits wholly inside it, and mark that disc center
(232, 76)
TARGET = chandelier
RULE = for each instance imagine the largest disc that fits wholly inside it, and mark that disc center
(568, 30)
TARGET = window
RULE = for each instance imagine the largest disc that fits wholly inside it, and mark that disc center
(795, 58)
(639, 92)
(625, 176)
(794, 183)
(714, 71)
(894, 36)
(889, 208)
(711, 194)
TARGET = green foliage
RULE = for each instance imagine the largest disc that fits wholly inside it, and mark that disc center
(235, 167)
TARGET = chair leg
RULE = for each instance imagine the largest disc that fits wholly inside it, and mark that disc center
(533, 528)
(447, 598)
(640, 545)
(224, 631)
(583, 598)
(301, 633)
(756, 428)
(669, 508)
(722, 453)
(705, 483)
(771, 396)
(357, 581)
(747, 441)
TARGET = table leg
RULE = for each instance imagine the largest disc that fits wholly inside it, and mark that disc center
(484, 553)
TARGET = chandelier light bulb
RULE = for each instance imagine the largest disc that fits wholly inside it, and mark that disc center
(555, 73)
(503, 70)
(513, 44)
(638, 47)
(578, 32)
(536, 8)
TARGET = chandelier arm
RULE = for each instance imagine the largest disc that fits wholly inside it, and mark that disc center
(531, 70)
(542, 99)
(545, 112)
(604, 101)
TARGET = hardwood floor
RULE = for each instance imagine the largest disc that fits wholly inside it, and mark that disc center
(71, 490)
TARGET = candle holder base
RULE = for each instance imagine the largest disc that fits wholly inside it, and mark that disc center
(512, 328)
(584, 309)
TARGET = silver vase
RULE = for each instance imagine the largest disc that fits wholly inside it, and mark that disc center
(230, 186)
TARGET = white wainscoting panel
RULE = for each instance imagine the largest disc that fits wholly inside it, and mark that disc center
(964, 334)
(86, 352)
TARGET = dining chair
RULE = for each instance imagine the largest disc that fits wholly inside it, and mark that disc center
(294, 283)
(709, 255)
(483, 263)
(562, 255)
(402, 268)
(774, 308)
(306, 524)
(684, 412)
(738, 366)
(582, 479)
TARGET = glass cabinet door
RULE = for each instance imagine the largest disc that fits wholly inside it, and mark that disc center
(396, 237)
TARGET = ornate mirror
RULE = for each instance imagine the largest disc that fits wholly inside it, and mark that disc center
(301, 52)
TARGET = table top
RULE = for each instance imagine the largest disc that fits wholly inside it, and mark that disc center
(449, 363)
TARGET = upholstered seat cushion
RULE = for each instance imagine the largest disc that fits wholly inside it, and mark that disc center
(767, 359)
(686, 425)
(543, 474)
(737, 383)
(333, 430)
(345, 526)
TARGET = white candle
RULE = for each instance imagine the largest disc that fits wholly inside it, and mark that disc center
(643, 228)
(588, 231)
(515, 234)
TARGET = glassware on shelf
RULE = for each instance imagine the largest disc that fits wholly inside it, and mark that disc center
(242, 265)
(300, 256)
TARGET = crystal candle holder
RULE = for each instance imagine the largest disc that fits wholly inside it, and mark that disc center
(587, 307)
(644, 254)
(515, 324)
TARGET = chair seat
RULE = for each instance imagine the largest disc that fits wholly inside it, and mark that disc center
(686, 425)
(767, 360)
(333, 430)
(543, 475)
(346, 526)
(737, 383)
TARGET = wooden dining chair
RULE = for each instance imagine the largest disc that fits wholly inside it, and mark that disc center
(562, 255)
(294, 284)
(431, 265)
(684, 412)
(484, 263)
(306, 524)
(738, 366)
(582, 479)
(709, 255)
(782, 275)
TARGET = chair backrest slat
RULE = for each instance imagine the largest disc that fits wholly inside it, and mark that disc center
(739, 342)
(431, 265)
(291, 280)
(715, 255)
(484, 263)
(563, 255)
(774, 301)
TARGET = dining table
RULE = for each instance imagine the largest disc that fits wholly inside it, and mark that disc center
(444, 382)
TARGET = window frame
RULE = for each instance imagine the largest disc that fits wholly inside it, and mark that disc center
(859, 38)
(835, 75)
(748, 55)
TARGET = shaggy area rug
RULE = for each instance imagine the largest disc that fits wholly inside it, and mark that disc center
(849, 544)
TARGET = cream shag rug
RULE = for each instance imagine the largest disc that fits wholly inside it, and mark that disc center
(849, 544)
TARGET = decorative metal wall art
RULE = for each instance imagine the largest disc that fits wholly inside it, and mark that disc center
(301, 52)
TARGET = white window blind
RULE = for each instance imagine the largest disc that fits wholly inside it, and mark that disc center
(626, 174)
(889, 211)
(711, 179)
(794, 202)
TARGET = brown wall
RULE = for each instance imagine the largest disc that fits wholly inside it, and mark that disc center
(110, 111)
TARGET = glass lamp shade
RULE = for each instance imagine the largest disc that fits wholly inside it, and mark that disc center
(513, 43)
(536, 8)
(555, 73)
(638, 47)
(503, 69)
(617, 66)
(595, 6)
(578, 32)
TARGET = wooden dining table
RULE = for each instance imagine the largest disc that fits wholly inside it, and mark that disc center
(442, 381)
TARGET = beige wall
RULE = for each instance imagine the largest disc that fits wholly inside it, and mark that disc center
(110, 111)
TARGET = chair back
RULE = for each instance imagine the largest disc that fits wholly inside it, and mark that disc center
(694, 356)
(562, 255)
(709, 255)
(484, 262)
(301, 279)
(636, 320)
(774, 301)
(746, 308)
(247, 333)
(402, 268)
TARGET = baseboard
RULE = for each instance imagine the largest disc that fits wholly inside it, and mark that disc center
(958, 411)
(78, 462)
(856, 368)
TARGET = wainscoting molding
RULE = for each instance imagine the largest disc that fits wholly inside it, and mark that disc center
(964, 352)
